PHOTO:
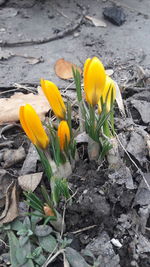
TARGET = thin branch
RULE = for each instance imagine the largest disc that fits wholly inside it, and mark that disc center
(74, 25)
(53, 257)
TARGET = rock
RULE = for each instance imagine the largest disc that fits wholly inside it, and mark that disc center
(142, 196)
(122, 176)
(102, 248)
(143, 107)
(137, 147)
(143, 245)
(115, 15)
(29, 165)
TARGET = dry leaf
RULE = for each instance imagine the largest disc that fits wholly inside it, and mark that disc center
(29, 182)
(34, 60)
(96, 22)
(5, 181)
(63, 69)
(13, 156)
(11, 208)
(9, 107)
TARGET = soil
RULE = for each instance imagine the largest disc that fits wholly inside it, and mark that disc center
(109, 215)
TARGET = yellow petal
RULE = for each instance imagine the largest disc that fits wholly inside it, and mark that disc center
(109, 89)
(25, 126)
(94, 80)
(54, 98)
(63, 134)
(33, 127)
(34, 123)
(99, 107)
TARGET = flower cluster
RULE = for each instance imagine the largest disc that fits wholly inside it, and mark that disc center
(55, 143)
(95, 113)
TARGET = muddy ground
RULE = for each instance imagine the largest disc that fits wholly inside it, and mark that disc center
(109, 215)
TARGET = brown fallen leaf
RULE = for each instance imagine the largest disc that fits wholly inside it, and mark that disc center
(63, 69)
(9, 107)
(29, 182)
(96, 22)
(11, 205)
(34, 60)
(5, 181)
(13, 156)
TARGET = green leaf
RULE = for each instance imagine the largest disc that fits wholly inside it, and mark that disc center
(59, 188)
(37, 252)
(23, 240)
(46, 196)
(77, 79)
(21, 256)
(27, 223)
(46, 166)
(43, 230)
(74, 258)
(16, 225)
(35, 219)
(40, 260)
(48, 243)
(29, 263)
(14, 245)
(37, 256)
(22, 231)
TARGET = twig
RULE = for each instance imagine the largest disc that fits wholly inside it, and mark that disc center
(4, 243)
(74, 25)
(17, 87)
(53, 257)
(50, 257)
(64, 211)
(63, 220)
(84, 229)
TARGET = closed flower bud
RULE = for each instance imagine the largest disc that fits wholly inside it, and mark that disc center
(48, 211)
(54, 98)
(33, 127)
(108, 94)
(94, 80)
(63, 134)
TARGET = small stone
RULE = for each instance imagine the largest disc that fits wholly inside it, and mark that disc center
(115, 15)
(116, 243)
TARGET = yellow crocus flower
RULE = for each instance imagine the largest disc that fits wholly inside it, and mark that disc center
(54, 98)
(108, 90)
(94, 80)
(33, 127)
(63, 134)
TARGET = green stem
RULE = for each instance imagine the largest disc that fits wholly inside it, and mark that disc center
(81, 118)
(112, 122)
(106, 129)
(92, 122)
(44, 157)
